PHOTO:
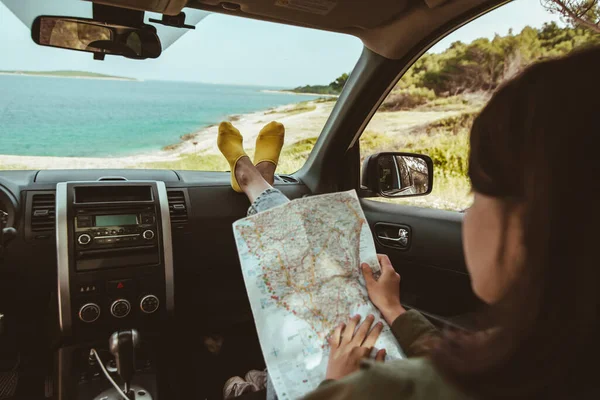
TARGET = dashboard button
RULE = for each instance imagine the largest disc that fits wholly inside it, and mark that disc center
(120, 308)
(89, 312)
(84, 239)
(148, 234)
(149, 304)
(119, 286)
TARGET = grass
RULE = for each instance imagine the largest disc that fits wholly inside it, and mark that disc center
(299, 108)
(291, 160)
(15, 167)
(446, 141)
(192, 162)
(449, 192)
(327, 99)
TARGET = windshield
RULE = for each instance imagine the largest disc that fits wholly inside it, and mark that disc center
(62, 109)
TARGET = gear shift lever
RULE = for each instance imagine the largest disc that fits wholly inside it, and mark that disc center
(122, 345)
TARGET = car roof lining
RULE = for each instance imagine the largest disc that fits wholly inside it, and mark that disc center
(389, 28)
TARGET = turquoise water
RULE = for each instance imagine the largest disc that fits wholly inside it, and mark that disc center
(98, 118)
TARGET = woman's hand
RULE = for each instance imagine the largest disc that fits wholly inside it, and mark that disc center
(349, 347)
(384, 292)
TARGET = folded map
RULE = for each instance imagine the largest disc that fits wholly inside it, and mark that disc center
(301, 266)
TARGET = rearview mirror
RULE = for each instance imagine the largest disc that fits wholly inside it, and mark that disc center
(100, 38)
(398, 174)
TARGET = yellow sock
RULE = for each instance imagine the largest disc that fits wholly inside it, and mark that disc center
(230, 142)
(269, 143)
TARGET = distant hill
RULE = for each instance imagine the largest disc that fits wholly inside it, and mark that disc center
(314, 89)
(334, 88)
(68, 74)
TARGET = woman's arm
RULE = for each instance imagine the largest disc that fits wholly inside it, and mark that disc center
(409, 379)
(415, 334)
(412, 330)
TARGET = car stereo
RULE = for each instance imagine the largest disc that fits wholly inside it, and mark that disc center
(109, 237)
(107, 229)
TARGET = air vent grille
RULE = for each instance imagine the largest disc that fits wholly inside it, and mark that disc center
(177, 206)
(42, 212)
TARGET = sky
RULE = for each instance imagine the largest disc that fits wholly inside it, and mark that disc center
(233, 50)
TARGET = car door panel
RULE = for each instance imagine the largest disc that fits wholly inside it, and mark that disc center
(432, 266)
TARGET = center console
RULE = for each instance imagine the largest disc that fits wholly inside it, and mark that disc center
(115, 272)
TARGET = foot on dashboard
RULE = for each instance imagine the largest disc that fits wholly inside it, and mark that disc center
(268, 148)
(230, 142)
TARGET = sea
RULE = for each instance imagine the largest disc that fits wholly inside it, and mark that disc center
(70, 117)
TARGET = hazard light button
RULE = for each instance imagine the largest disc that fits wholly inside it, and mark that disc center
(119, 286)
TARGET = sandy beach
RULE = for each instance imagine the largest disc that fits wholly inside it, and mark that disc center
(303, 123)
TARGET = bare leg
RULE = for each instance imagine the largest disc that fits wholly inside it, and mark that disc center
(251, 180)
(267, 170)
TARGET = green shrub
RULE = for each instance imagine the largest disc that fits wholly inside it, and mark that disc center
(405, 99)
(452, 125)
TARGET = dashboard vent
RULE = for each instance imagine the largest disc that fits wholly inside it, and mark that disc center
(177, 206)
(42, 212)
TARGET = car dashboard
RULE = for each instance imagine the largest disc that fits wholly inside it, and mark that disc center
(96, 251)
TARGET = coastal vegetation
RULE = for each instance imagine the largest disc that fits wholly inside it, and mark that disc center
(334, 88)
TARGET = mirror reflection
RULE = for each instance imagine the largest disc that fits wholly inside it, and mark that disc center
(402, 175)
(69, 34)
(96, 37)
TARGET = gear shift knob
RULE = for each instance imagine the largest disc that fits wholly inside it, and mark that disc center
(122, 345)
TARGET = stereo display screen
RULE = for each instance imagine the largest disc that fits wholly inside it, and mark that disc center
(116, 220)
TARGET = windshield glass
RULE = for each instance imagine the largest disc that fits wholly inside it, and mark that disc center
(62, 109)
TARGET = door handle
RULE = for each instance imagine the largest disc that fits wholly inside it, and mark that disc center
(397, 236)
(391, 239)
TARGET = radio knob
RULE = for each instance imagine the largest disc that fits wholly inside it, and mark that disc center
(148, 234)
(84, 239)
(149, 304)
(120, 308)
(89, 312)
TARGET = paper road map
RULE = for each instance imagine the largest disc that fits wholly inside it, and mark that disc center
(301, 264)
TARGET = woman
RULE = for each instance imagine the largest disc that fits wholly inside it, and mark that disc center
(529, 240)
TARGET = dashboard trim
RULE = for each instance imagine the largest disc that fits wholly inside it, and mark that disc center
(62, 259)
(165, 219)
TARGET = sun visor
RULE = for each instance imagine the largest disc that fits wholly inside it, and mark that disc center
(28, 10)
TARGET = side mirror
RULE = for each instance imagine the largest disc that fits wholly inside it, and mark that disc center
(398, 174)
(100, 38)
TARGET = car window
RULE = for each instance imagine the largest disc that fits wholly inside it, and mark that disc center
(432, 107)
(62, 109)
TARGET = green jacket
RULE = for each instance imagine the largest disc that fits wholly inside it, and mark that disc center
(413, 378)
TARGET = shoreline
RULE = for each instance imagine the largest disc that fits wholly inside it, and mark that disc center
(299, 93)
(301, 123)
(205, 139)
(104, 78)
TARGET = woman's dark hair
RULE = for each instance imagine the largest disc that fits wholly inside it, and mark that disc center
(536, 145)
